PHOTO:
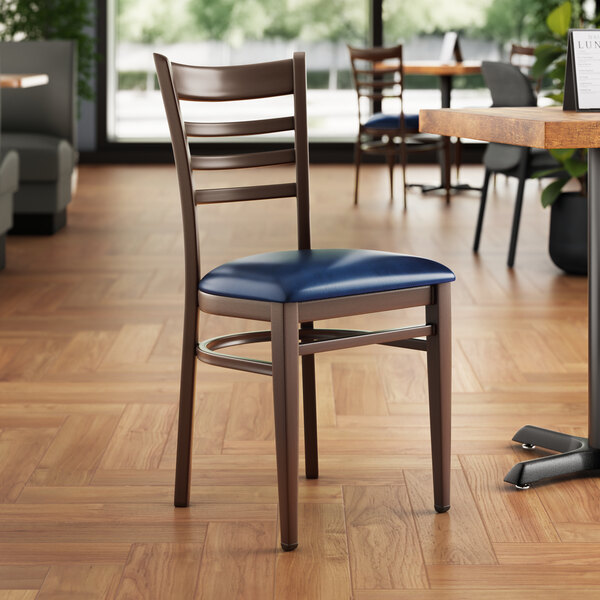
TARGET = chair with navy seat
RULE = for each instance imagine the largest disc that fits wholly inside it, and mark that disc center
(510, 87)
(291, 289)
(379, 82)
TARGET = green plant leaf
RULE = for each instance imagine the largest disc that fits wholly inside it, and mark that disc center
(562, 154)
(558, 97)
(552, 192)
(559, 19)
(575, 167)
(545, 55)
(547, 172)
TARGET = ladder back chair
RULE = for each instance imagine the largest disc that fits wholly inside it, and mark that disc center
(379, 78)
(291, 289)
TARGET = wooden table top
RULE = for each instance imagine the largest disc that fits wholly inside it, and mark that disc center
(538, 127)
(433, 67)
(21, 80)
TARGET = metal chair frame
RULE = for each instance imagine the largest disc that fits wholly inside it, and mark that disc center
(292, 333)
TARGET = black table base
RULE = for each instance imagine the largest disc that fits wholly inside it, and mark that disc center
(574, 456)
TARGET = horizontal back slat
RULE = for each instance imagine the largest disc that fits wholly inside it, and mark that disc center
(377, 96)
(381, 69)
(241, 161)
(376, 54)
(376, 85)
(239, 127)
(240, 82)
(238, 194)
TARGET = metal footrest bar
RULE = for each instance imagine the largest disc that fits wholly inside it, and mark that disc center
(311, 342)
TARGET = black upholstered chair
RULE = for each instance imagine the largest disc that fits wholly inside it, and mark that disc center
(40, 123)
(509, 87)
(291, 289)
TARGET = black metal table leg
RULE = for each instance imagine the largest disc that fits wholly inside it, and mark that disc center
(575, 454)
(446, 163)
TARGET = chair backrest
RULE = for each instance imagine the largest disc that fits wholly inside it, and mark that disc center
(521, 56)
(507, 84)
(244, 82)
(52, 108)
(509, 87)
(378, 75)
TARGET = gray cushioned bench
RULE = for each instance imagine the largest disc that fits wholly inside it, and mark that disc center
(40, 124)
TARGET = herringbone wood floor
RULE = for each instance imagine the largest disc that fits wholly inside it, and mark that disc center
(90, 325)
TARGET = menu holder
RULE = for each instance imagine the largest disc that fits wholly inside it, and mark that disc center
(450, 48)
(582, 74)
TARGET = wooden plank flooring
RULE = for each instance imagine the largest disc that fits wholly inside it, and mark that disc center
(90, 327)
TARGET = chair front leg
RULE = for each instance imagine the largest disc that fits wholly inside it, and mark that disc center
(439, 373)
(284, 349)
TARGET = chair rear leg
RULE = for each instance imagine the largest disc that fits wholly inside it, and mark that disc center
(403, 159)
(309, 403)
(357, 158)
(458, 157)
(391, 159)
(284, 348)
(186, 412)
(439, 374)
(447, 170)
(484, 191)
(512, 249)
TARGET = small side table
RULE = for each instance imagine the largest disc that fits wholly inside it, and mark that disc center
(16, 80)
(549, 127)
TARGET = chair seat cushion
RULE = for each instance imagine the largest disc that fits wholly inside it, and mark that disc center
(42, 157)
(385, 121)
(304, 275)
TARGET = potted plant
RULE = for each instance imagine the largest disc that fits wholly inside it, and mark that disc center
(568, 219)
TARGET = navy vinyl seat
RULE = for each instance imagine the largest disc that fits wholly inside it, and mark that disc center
(304, 275)
(385, 121)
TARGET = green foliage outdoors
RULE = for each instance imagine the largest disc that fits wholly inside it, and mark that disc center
(235, 21)
(519, 20)
(54, 19)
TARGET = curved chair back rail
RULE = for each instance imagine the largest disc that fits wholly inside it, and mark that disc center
(291, 289)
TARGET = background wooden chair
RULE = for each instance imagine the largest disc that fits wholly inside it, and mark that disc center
(379, 78)
(524, 58)
(294, 287)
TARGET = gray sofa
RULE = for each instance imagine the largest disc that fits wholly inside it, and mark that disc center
(40, 123)
(9, 182)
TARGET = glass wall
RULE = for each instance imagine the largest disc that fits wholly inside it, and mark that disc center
(223, 32)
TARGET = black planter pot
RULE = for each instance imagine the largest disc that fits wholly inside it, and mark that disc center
(568, 233)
